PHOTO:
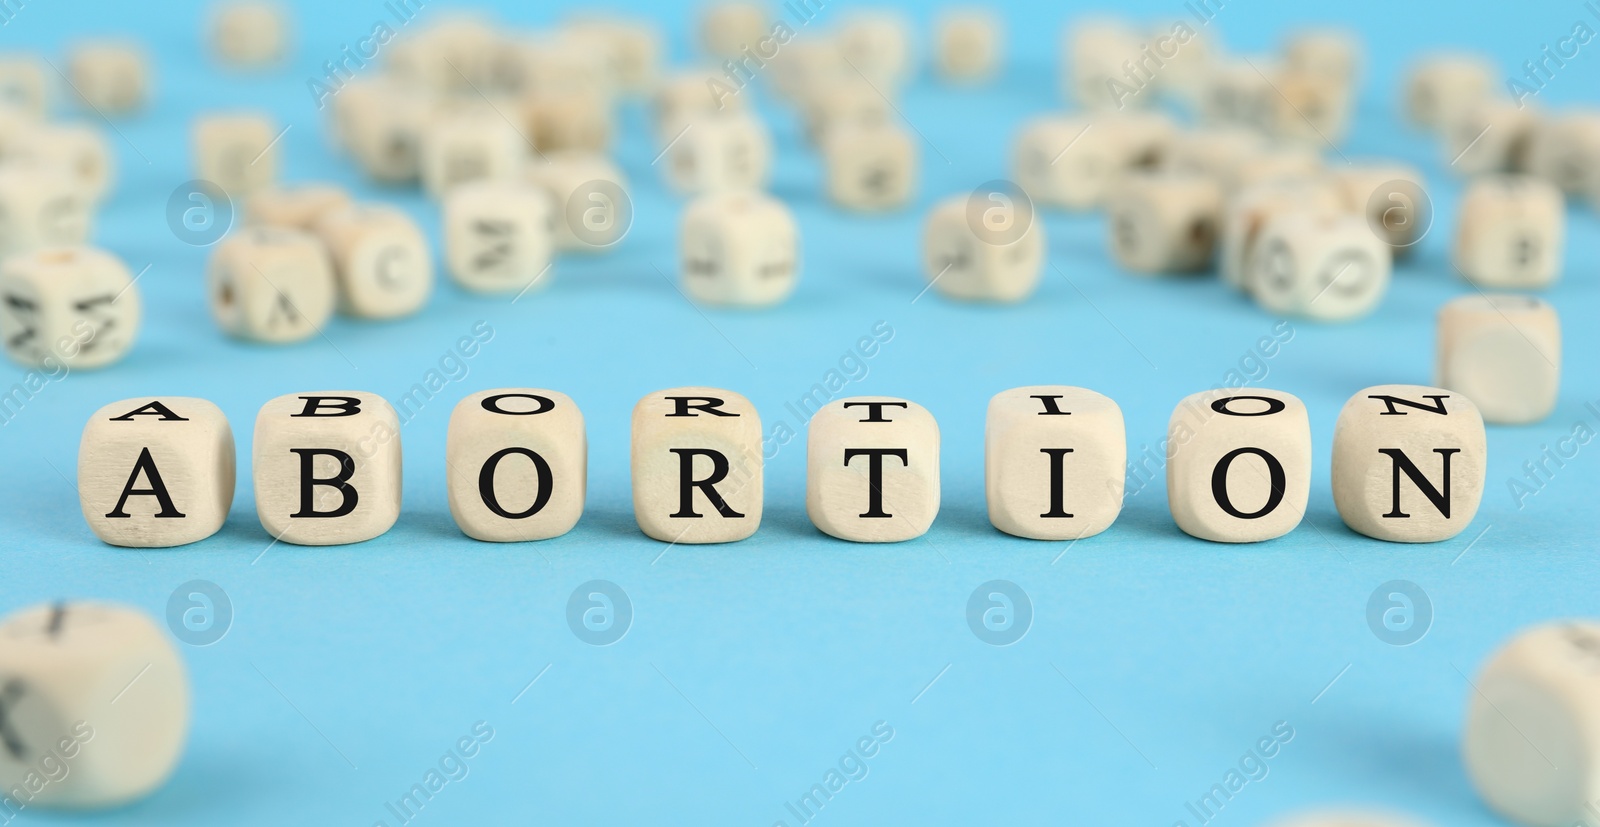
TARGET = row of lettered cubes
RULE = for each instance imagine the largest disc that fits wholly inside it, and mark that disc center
(1408, 466)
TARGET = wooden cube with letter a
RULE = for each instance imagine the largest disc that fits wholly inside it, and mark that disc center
(1408, 463)
(327, 467)
(697, 466)
(156, 471)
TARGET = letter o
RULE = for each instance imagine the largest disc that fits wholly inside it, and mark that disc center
(543, 404)
(486, 483)
(1219, 483)
(1273, 405)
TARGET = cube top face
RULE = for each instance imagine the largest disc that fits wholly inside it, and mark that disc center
(697, 466)
(1319, 265)
(155, 472)
(1409, 463)
(872, 469)
(740, 249)
(1531, 741)
(1504, 353)
(518, 464)
(296, 208)
(271, 284)
(1239, 464)
(75, 634)
(75, 304)
(1055, 459)
(983, 249)
(327, 467)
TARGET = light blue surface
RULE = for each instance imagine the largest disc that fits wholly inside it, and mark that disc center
(1154, 661)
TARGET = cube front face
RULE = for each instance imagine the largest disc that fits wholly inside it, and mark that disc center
(517, 460)
(156, 471)
(739, 249)
(465, 148)
(1504, 353)
(967, 44)
(984, 250)
(1064, 163)
(1511, 233)
(1239, 464)
(327, 467)
(1165, 224)
(1392, 198)
(109, 77)
(271, 284)
(1319, 265)
(870, 168)
(727, 152)
(1531, 741)
(61, 666)
(1408, 463)
(872, 469)
(70, 304)
(41, 207)
(1440, 87)
(236, 153)
(1055, 461)
(382, 262)
(697, 466)
(589, 196)
(497, 236)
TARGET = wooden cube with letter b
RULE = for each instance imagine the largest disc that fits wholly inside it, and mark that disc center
(697, 466)
(327, 467)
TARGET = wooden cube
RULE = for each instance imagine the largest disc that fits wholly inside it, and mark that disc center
(156, 471)
(692, 96)
(1237, 92)
(1055, 461)
(462, 149)
(870, 168)
(877, 44)
(1249, 210)
(111, 77)
(1393, 198)
(1239, 464)
(1502, 352)
(455, 54)
(1309, 107)
(807, 66)
(96, 699)
(1163, 223)
(1408, 463)
(697, 466)
(272, 284)
(1529, 739)
(75, 306)
(1439, 87)
(297, 207)
(78, 149)
(518, 465)
(1076, 162)
(1097, 52)
(1328, 266)
(727, 152)
(853, 100)
(1564, 149)
(1489, 136)
(41, 205)
(968, 44)
(1214, 151)
(727, 27)
(382, 123)
(498, 236)
(740, 249)
(872, 469)
(380, 259)
(250, 32)
(237, 152)
(1511, 233)
(986, 246)
(24, 85)
(327, 467)
(634, 48)
(567, 121)
(1331, 53)
(590, 196)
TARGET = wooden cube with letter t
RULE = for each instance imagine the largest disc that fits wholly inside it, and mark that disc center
(697, 466)
(327, 467)
(872, 469)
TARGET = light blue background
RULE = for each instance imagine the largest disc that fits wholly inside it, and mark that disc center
(1154, 661)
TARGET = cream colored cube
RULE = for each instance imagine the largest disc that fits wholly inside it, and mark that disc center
(1531, 738)
(1394, 199)
(297, 207)
(79, 150)
(987, 246)
(1076, 162)
(250, 33)
(728, 27)
(1564, 149)
(739, 249)
(1097, 53)
(1489, 136)
(1328, 266)
(1239, 464)
(1274, 164)
(382, 122)
(75, 306)
(156, 471)
(852, 100)
(1511, 233)
(1408, 463)
(807, 66)
(870, 168)
(236, 152)
(271, 284)
(692, 96)
(1308, 107)
(697, 466)
(1165, 223)
(876, 43)
(24, 85)
(41, 205)
(1237, 92)
(1331, 53)
(567, 121)
(1440, 87)
(455, 53)
(497, 236)
(727, 152)
(1249, 210)
(327, 467)
(96, 704)
(872, 469)
(518, 463)
(635, 48)
(380, 259)
(1502, 352)
(1055, 460)
(111, 77)
(968, 44)
(1215, 151)
(590, 196)
(462, 149)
